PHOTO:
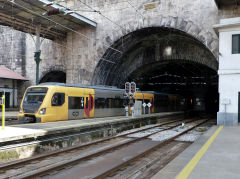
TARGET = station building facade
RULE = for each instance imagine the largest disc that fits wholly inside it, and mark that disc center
(229, 71)
(11, 85)
(228, 30)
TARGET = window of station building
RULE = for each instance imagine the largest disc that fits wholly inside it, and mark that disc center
(236, 44)
(58, 99)
(76, 102)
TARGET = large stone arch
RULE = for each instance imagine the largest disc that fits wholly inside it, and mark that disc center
(206, 36)
(111, 68)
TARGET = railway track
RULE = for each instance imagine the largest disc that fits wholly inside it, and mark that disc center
(43, 165)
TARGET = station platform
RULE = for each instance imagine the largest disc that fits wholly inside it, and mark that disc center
(215, 155)
(9, 115)
(39, 130)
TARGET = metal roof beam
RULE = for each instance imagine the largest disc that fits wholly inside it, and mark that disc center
(25, 15)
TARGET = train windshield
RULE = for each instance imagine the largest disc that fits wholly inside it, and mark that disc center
(35, 95)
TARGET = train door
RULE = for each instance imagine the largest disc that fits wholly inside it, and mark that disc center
(75, 107)
(58, 106)
(89, 106)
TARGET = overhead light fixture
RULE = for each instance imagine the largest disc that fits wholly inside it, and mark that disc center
(48, 4)
(57, 11)
(168, 51)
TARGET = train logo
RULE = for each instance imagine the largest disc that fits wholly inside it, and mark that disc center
(75, 114)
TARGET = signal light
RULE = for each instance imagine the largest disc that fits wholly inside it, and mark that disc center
(127, 87)
(133, 87)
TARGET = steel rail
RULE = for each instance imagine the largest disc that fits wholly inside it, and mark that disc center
(53, 153)
(60, 165)
(114, 169)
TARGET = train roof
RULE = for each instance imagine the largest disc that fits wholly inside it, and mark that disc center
(159, 93)
(98, 87)
(81, 86)
(152, 92)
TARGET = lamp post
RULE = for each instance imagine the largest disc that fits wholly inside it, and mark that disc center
(37, 53)
(37, 60)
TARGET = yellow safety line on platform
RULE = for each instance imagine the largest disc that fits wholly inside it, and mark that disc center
(192, 164)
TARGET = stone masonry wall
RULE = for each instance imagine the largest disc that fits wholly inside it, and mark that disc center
(13, 56)
(78, 56)
(12, 50)
(53, 57)
(194, 17)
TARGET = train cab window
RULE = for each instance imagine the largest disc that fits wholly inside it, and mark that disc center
(58, 99)
(76, 102)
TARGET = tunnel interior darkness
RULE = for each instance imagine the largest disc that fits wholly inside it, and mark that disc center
(54, 76)
(164, 60)
(194, 81)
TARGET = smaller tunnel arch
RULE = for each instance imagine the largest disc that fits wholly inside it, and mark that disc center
(54, 76)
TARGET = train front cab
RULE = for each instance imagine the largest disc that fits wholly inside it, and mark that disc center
(56, 103)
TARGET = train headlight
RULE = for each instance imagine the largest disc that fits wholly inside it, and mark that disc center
(42, 111)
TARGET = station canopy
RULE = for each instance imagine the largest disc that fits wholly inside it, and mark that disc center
(26, 15)
(222, 3)
(6, 73)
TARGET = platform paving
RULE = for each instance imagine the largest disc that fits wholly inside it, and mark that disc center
(220, 161)
(34, 130)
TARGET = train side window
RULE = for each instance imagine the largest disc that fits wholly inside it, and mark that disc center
(58, 99)
(118, 103)
(76, 102)
(110, 103)
(99, 102)
(105, 102)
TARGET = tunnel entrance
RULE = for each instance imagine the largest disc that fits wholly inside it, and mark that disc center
(54, 76)
(196, 82)
(163, 60)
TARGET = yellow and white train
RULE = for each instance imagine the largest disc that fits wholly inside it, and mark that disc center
(57, 101)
